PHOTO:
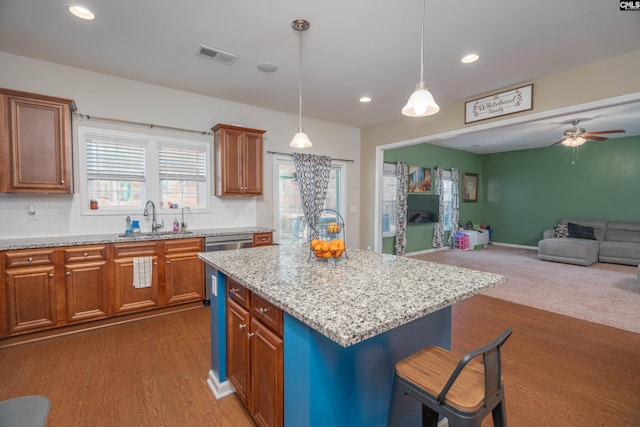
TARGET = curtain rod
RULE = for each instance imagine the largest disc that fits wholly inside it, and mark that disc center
(149, 125)
(291, 155)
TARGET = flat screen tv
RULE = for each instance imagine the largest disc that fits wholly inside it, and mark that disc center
(422, 208)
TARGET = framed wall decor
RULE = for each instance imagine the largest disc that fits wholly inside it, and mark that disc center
(420, 180)
(470, 187)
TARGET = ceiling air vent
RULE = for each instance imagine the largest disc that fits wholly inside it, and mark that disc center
(216, 54)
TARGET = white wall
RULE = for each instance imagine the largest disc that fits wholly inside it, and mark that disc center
(102, 95)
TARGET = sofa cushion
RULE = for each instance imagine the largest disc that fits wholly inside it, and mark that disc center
(619, 252)
(569, 250)
(619, 231)
(599, 225)
(578, 231)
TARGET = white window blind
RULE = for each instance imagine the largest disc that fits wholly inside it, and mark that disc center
(114, 158)
(185, 164)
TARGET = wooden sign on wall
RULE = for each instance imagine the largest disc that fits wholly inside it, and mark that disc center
(499, 104)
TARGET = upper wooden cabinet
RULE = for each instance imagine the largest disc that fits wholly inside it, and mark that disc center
(35, 143)
(238, 154)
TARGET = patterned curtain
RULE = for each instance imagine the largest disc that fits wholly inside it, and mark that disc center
(313, 180)
(455, 205)
(402, 185)
(438, 229)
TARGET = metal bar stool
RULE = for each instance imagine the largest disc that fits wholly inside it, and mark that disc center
(463, 390)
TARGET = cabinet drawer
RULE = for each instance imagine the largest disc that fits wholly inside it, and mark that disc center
(237, 292)
(267, 313)
(184, 245)
(262, 239)
(85, 253)
(29, 258)
(135, 249)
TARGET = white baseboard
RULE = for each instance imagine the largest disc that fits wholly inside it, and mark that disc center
(426, 251)
(509, 245)
(219, 389)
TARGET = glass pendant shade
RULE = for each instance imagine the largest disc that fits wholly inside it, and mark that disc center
(420, 103)
(574, 142)
(300, 140)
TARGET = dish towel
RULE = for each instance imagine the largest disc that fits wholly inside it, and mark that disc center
(142, 272)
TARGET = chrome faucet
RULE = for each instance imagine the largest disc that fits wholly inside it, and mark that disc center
(154, 226)
(183, 225)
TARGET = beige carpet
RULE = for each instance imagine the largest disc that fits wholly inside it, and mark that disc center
(608, 294)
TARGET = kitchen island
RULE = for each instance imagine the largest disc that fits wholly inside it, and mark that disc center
(346, 324)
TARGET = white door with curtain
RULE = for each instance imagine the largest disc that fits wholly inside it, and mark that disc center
(290, 224)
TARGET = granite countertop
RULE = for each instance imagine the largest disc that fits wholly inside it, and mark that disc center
(91, 239)
(352, 299)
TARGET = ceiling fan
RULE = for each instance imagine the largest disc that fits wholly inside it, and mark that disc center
(576, 136)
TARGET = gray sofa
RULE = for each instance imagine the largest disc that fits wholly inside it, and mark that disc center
(615, 242)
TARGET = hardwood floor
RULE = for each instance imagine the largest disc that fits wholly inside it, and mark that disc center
(558, 371)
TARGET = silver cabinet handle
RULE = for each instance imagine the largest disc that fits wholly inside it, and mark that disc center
(29, 259)
(68, 273)
(85, 254)
(50, 274)
(62, 182)
(242, 326)
(168, 262)
(234, 290)
(249, 334)
(263, 310)
(155, 263)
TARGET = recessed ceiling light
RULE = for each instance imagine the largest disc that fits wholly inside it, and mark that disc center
(472, 57)
(267, 67)
(365, 99)
(82, 12)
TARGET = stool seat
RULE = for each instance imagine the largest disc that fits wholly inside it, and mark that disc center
(458, 388)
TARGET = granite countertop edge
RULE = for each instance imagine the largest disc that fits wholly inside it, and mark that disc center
(94, 239)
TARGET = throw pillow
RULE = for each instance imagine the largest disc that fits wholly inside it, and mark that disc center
(560, 230)
(578, 231)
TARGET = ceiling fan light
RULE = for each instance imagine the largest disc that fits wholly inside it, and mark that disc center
(574, 141)
(300, 140)
(420, 103)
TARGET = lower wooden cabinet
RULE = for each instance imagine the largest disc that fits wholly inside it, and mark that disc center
(183, 271)
(85, 283)
(125, 298)
(255, 354)
(53, 287)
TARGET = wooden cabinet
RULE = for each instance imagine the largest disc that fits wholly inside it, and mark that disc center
(29, 291)
(85, 283)
(35, 143)
(238, 160)
(125, 298)
(183, 271)
(262, 239)
(255, 354)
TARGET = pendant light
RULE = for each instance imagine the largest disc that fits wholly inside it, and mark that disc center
(421, 102)
(300, 139)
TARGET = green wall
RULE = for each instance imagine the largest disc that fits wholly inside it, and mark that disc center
(522, 193)
(419, 237)
(526, 192)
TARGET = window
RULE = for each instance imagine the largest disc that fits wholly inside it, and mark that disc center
(291, 225)
(123, 170)
(182, 175)
(389, 200)
(447, 196)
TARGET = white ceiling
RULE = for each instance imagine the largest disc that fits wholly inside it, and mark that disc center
(353, 48)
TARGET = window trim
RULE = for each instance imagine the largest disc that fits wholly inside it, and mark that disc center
(152, 190)
(387, 169)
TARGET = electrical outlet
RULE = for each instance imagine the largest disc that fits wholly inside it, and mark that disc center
(214, 285)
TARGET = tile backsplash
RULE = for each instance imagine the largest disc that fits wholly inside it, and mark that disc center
(60, 215)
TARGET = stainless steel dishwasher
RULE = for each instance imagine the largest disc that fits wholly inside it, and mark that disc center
(222, 243)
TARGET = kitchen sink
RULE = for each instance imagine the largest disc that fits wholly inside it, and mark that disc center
(155, 234)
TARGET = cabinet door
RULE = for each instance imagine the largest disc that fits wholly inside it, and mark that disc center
(238, 350)
(39, 143)
(266, 376)
(31, 298)
(125, 298)
(86, 291)
(231, 152)
(251, 164)
(184, 278)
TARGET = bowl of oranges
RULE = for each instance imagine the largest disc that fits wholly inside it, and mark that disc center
(327, 249)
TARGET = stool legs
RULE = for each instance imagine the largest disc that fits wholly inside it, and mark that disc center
(429, 417)
(499, 414)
